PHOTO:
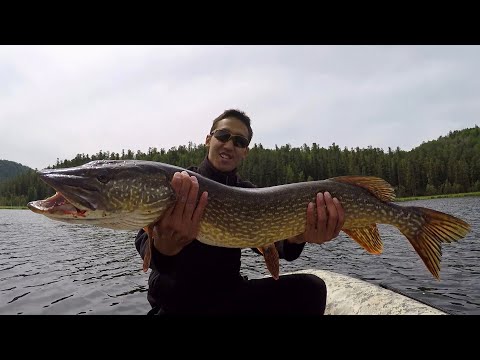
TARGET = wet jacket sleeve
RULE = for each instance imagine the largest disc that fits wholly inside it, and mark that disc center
(289, 251)
(286, 250)
(159, 262)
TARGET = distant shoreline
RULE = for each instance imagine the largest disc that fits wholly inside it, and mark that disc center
(410, 198)
(428, 197)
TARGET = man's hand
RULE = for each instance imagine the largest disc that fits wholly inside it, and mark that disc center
(181, 223)
(326, 225)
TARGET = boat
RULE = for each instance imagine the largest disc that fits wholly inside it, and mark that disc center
(347, 295)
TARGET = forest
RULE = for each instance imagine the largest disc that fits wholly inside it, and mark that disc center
(448, 165)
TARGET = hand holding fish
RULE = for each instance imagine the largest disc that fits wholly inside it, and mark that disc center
(181, 222)
(325, 223)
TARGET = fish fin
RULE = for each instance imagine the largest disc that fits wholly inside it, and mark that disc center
(439, 227)
(377, 186)
(368, 237)
(270, 254)
(148, 251)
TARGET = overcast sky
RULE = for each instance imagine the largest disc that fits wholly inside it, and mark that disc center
(59, 101)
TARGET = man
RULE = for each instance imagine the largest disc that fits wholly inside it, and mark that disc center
(189, 277)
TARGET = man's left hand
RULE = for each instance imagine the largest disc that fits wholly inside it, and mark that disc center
(326, 225)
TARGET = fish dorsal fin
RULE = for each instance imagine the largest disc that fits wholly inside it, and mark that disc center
(368, 238)
(377, 186)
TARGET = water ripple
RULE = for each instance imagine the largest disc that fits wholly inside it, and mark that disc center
(18, 297)
(49, 267)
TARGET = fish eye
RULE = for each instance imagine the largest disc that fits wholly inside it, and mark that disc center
(103, 178)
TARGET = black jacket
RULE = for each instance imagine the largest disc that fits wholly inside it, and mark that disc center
(200, 267)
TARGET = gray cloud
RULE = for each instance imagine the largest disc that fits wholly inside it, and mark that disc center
(57, 101)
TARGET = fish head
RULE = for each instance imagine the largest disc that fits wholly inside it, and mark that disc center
(108, 193)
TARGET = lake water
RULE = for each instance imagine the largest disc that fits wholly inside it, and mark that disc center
(48, 267)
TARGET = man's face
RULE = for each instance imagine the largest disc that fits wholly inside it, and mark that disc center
(226, 156)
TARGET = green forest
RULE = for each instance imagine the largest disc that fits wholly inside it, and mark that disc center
(448, 165)
(9, 169)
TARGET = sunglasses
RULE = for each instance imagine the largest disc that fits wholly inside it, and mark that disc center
(224, 136)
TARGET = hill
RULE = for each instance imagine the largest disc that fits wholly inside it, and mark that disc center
(11, 169)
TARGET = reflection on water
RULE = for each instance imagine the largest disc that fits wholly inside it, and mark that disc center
(48, 267)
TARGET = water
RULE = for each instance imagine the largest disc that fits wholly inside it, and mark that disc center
(48, 267)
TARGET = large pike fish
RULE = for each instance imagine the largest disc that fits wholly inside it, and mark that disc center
(134, 194)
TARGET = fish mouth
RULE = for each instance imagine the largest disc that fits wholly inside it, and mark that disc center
(56, 204)
(72, 196)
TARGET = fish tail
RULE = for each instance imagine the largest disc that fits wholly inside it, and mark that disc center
(438, 227)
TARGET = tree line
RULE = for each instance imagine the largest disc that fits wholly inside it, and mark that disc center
(448, 165)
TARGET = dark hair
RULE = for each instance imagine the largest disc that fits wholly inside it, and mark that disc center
(237, 114)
